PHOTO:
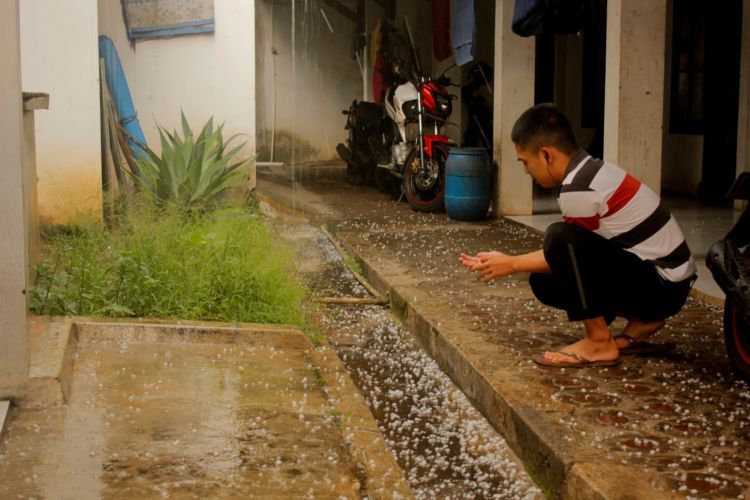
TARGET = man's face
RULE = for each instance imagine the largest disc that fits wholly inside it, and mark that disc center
(537, 166)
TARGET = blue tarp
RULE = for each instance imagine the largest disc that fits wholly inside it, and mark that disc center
(118, 87)
(464, 31)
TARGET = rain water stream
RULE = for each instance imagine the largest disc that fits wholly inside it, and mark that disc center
(445, 446)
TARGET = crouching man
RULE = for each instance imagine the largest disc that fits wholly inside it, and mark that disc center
(619, 251)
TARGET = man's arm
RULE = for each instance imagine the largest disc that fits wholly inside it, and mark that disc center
(491, 265)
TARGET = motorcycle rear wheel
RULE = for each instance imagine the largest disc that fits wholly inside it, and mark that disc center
(355, 174)
(737, 339)
(425, 193)
(387, 183)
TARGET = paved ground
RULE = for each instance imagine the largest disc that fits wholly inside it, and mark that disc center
(677, 426)
(198, 411)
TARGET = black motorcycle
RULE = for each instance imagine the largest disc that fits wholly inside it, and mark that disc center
(729, 262)
(362, 122)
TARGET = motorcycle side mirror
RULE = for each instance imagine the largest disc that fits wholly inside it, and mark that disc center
(443, 81)
(442, 75)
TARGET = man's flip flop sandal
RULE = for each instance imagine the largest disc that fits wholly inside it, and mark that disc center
(580, 362)
(635, 347)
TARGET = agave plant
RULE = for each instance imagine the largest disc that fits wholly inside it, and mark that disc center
(191, 171)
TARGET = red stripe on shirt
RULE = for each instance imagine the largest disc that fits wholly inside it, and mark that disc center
(623, 194)
(590, 223)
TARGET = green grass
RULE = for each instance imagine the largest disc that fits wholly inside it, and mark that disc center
(221, 266)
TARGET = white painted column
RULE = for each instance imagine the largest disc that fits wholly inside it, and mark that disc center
(252, 122)
(743, 123)
(14, 365)
(634, 88)
(514, 93)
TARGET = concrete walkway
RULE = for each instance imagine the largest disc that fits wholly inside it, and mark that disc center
(190, 410)
(674, 426)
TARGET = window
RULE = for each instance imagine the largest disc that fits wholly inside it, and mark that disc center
(688, 49)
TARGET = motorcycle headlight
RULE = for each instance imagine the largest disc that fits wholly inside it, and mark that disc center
(443, 106)
(411, 110)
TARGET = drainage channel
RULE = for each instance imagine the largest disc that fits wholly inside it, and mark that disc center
(445, 446)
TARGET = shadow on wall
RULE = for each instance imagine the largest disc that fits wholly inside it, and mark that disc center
(288, 147)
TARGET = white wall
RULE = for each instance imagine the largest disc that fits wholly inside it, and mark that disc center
(305, 80)
(204, 75)
(59, 56)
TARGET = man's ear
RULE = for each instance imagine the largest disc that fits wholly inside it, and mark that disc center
(546, 154)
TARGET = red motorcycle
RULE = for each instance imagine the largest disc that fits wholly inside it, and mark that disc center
(405, 153)
(409, 146)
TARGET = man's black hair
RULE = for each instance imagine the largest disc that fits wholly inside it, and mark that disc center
(544, 125)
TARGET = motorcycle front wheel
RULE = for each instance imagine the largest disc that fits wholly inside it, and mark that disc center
(424, 186)
(737, 338)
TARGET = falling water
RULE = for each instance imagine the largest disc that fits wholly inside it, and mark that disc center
(294, 106)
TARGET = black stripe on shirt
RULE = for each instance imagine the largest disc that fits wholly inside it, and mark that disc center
(676, 257)
(643, 231)
(582, 180)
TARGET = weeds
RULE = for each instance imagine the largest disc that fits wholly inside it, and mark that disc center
(315, 337)
(222, 266)
(353, 264)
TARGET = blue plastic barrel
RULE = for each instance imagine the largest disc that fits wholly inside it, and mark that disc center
(468, 183)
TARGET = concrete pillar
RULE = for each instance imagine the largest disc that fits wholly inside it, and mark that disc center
(14, 365)
(634, 87)
(31, 103)
(514, 93)
(743, 124)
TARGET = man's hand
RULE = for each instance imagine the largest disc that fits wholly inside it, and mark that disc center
(468, 260)
(489, 265)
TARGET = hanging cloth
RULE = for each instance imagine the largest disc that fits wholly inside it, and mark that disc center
(376, 56)
(464, 32)
(539, 17)
(148, 19)
(379, 85)
(441, 29)
(375, 39)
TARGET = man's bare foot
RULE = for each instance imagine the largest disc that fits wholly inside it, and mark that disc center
(638, 330)
(587, 349)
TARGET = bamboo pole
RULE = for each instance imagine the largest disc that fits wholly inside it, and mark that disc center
(353, 301)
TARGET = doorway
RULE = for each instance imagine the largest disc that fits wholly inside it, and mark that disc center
(705, 87)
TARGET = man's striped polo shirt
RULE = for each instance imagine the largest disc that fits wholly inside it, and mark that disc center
(615, 205)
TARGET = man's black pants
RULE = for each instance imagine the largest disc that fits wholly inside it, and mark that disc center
(592, 277)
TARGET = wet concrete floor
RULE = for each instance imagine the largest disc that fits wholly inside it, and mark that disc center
(671, 426)
(202, 414)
